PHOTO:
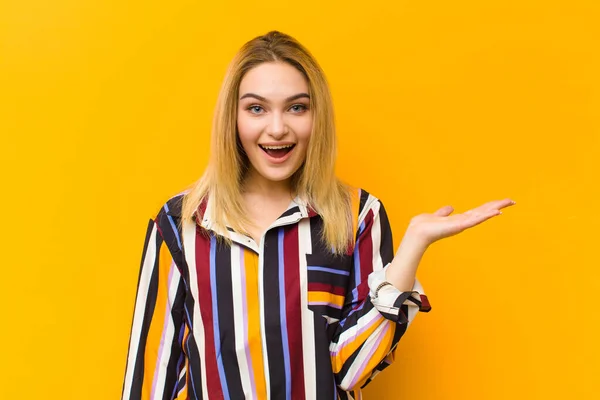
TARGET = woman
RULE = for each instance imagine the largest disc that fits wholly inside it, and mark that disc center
(269, 278)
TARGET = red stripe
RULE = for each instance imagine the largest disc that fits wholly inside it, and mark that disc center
(425, 306)
(213, 380)
(365, 248)
(293, 304)
(324, 287)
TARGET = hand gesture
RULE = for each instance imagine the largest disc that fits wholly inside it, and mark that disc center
(429, 228)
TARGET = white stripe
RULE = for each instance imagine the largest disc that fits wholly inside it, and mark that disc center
(376, 238)
(189, 244)
(165, 356)
(241, 342)
(140, 305)
(371, 342)
(181, 375)
(366, 208)
(413, 310)
(308, 328)
(263, 327)
(362, 324)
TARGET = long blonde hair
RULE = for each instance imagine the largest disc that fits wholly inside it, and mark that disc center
(314, 182)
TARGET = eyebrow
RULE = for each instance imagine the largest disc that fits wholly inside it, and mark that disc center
(291, 98)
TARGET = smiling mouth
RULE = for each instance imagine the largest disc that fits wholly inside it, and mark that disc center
(277, 151)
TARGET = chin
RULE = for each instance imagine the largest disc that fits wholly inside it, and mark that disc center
(277, 177)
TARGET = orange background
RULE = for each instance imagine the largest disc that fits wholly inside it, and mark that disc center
(105, 112)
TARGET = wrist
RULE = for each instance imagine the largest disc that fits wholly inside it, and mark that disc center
(403, 269)
(414, 241)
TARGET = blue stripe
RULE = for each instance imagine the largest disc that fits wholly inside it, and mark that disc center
(282, 311)
(325, 269)
(176, 232)
(187, 344)
(215, 312)
(173, 226)
(356, 267)
(335, 395)
(361, 228)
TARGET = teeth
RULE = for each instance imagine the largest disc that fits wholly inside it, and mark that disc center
(277, 147)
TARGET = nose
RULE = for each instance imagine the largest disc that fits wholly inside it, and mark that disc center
(277, 127)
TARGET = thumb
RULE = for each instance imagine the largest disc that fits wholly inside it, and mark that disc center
(444, 211)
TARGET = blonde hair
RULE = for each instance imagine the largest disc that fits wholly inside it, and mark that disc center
(314, 182)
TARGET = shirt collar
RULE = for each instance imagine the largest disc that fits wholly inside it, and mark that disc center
(296, 210)
(297, 205)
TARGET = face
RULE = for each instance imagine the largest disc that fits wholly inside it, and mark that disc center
(274, 120)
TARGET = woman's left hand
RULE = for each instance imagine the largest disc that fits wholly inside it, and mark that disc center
(428, 228)
(424, 229)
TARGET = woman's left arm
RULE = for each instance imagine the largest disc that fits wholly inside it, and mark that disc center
(385, 295)
(371, 326)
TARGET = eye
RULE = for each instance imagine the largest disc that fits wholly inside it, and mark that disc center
(298, 108)
(255, 109)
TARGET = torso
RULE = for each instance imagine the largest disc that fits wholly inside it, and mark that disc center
(259, 321)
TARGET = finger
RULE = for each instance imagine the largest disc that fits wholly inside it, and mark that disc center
(444, 211)
(476, 218)
(494, 205)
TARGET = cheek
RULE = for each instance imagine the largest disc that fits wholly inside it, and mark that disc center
(306, 133)
(303, 128)
(247, 130)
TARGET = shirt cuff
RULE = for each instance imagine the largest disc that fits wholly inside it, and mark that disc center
(389, 299)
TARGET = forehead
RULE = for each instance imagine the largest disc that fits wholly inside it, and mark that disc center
(274, 79)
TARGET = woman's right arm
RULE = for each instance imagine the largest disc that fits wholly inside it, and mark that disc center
(156, 364)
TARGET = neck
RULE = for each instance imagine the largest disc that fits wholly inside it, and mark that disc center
(257, 185)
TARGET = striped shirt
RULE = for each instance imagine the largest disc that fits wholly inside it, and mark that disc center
(281, 319)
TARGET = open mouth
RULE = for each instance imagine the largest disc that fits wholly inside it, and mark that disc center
(277, 151)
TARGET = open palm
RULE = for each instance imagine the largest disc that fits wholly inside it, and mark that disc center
(432, 227)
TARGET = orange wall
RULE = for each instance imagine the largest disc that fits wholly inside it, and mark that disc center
(438, 102)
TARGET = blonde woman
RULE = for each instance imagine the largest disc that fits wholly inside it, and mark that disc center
(269, 278)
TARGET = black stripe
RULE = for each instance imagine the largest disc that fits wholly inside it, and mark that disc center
(172, 377)
(400, 328)
(173, 238)
(325, 310)
(326, 277)
(291, 211)
(402, 317)
(386, 249)
(138, 372)
(364, 196)
(194, 370)
(324, 379)
(317, 244)
(272, 316)
(343, 395)
(149, 229)
(175, 205)
(226, 321)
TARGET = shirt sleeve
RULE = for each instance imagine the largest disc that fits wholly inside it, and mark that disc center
(371, 327)
(155, 362)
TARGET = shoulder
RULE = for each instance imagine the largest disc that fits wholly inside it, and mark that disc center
(368, 204)
(171, 207)
(167, 219)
